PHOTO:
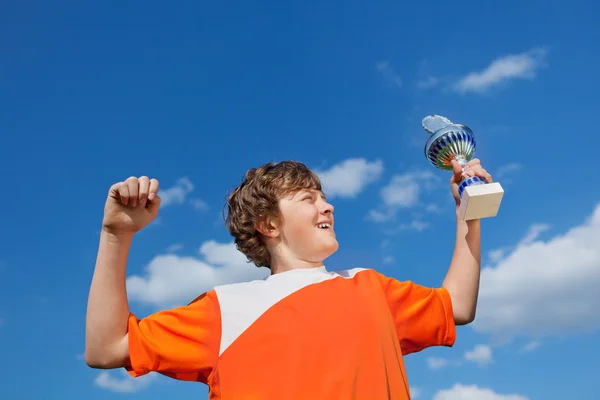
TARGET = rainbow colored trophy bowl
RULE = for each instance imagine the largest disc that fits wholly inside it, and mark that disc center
(448, 141)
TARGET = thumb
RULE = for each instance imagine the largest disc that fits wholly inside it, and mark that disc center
(153, 204)
(457, 169)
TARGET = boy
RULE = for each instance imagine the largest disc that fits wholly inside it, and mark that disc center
(303, 332)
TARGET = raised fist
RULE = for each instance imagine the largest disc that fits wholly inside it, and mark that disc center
(131, 205)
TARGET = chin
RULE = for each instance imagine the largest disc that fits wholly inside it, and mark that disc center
(330, 248)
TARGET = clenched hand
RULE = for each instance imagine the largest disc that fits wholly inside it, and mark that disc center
(131, 205)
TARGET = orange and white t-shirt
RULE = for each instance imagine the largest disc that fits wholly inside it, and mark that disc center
(301, 334)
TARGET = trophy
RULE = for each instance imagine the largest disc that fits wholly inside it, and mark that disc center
(448, 141)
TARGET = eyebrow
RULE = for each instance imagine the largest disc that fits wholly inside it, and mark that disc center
(311, 192)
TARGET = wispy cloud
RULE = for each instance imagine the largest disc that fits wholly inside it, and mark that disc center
(415, 392)
(533, 233)
(428, 82)
(531, 346)
(473, 392)
(480, 355)
(437, 362)
(425, 79)
(388, 72)
(350, 177)
(506, 172)
(174, 247)
(510, 67)
(123, 384)
(177, 193)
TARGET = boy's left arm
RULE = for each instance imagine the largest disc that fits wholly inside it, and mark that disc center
(462, 279)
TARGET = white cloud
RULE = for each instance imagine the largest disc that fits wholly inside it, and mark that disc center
(403, 192)
(170, 280)
(473, 392)
(350, 177)
(544, 287)
(388, 72)
(481, 355)
(515, 66)
(388, 260)
(177, 193)
(125, 384)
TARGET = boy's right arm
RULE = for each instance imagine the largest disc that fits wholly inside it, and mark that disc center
(130, 206)
(108, 310)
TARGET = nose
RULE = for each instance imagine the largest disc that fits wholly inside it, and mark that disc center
(327, 208)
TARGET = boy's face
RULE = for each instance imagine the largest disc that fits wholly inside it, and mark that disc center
(306, 225)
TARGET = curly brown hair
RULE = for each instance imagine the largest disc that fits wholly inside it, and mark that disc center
(256, 200)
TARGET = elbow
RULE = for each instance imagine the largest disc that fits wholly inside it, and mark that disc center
(101, 360)
(463, 310)
(107, 356)
(93, 361)
(464, 318)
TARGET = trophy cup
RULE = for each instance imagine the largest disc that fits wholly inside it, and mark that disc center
(448, 141)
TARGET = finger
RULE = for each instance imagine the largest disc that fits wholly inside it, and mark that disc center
(153, 190)
(482, 173)
(474, 162)
(144, 188)
(113, 192)
(123, 193)
(133, 186)
(457, 168)
(154, 205)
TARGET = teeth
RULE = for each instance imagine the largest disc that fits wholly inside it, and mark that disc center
(325, 225)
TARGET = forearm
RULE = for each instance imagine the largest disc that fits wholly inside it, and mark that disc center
(108, 310)
(462, 280)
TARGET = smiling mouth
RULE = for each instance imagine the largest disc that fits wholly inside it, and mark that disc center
(324, 225)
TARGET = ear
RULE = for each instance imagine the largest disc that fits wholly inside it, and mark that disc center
(268, 227)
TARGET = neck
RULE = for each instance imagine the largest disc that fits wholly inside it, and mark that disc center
(281, 263)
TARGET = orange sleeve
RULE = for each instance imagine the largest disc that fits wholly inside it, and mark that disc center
(182, 343)
(423, 316)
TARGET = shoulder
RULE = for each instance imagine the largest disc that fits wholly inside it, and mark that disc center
(240, 287)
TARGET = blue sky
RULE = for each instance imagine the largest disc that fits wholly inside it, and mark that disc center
(196, 94)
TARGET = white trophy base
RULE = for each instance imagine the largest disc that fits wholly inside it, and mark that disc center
(480, 201)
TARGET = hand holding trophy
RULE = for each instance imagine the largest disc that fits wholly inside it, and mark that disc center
(448, 142)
